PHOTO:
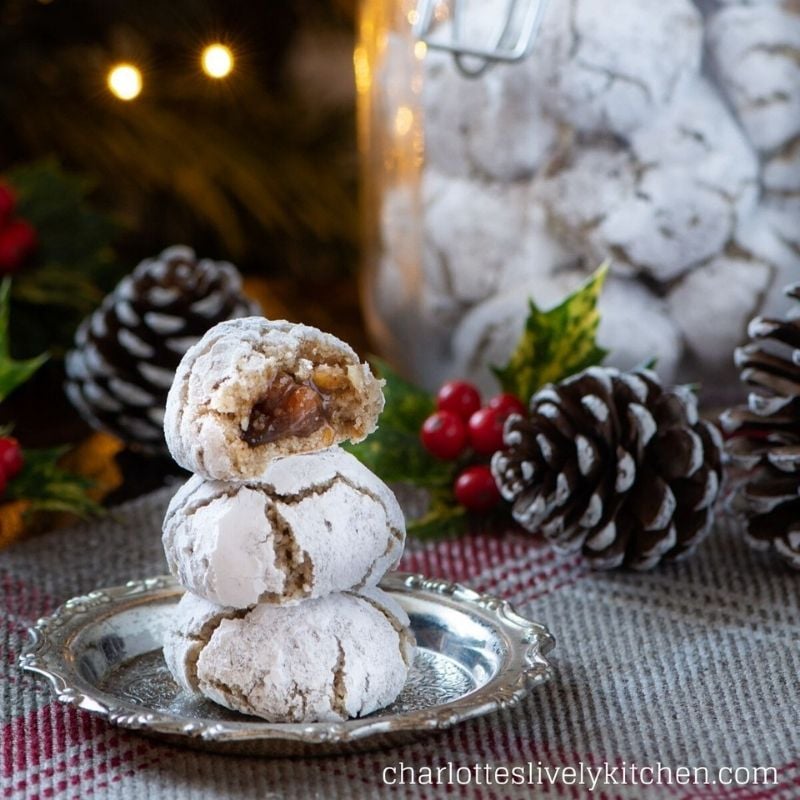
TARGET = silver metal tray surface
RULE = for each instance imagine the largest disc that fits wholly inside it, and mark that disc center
(102, 652)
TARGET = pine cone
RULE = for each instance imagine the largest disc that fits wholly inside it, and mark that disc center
(614, 464)
(127, 351)
(765, 435)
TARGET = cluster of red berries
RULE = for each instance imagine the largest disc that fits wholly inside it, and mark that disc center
(11, 461)
(461, 425)
(17, 236)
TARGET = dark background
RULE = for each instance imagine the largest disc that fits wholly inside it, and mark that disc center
(259, 168)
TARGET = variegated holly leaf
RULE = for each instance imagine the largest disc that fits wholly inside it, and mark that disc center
(556, 343)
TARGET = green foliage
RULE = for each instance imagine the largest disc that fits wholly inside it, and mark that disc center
(13, 373)
(394, 452)
(74, 264)
(71, 233)
(42, 482)
(556, 343)
(410, 404)
(48, 487)
(444, 518)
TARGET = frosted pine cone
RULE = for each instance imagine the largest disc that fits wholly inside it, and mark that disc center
(766, 435)
(613, 464)
(127, 351)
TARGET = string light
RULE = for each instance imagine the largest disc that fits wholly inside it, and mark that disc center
(125, 81)
(217, 61)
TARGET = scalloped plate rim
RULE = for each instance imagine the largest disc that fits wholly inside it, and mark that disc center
(528, 642)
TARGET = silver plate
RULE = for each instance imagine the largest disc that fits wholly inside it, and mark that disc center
(102, 652)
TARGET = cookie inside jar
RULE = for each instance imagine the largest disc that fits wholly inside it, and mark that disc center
(318, 401)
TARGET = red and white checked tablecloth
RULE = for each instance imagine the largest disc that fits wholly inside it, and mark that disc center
(696, 664)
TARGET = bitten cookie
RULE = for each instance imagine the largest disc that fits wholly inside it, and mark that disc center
(251, 390)
(340, 656)
(312, 524)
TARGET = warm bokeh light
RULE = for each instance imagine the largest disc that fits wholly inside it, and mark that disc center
(125, 81)
(361, 69)
(403, 120)
(217, 61)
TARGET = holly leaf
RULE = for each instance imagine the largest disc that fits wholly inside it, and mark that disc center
(49, 487)
(394, 451)
(556, 343)
(13, 373)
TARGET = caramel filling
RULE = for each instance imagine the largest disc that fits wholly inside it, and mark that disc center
(289, 408)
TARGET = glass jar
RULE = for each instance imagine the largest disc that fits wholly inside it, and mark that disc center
(510, 146)
(388, 74)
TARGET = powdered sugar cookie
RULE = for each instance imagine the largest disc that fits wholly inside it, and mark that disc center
(341, 656)
(594, 60)
(666, 203)
(754, 51)
(312, 524)
(252, 389)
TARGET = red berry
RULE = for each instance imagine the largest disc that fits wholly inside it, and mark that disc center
(460, 397)
(3, 483)
(476, 490)
(8, 201)
(11, 458)
(507, 404)
(486, 431)
(17, 242)
(444, 435)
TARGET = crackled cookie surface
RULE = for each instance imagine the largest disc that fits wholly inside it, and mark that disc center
(253, 389)
(312, 524)
(340, 656)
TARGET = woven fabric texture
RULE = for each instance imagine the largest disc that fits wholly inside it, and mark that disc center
(696, 664)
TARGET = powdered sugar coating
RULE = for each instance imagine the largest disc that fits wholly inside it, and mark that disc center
(344, 655)
(668, 201)
(596, 65)
(310, 525)
(734, 287)
(755, 54)
(229, 370)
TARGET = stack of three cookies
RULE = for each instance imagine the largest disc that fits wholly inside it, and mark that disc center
(281, 537)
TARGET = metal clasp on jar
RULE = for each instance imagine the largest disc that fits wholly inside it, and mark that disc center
(511, 40)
